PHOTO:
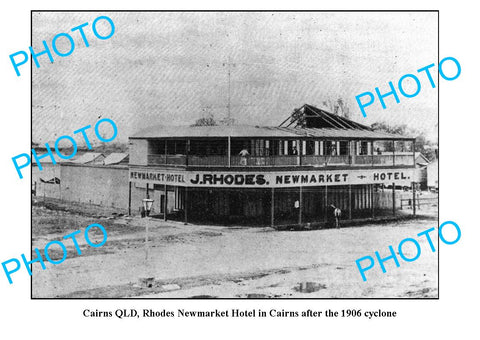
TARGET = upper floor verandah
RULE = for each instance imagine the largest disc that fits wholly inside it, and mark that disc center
(309, 137)
(267, 152)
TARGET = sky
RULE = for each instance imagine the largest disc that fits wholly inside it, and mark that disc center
(163, 68)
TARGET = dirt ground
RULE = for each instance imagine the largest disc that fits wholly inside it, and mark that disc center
(199, 261)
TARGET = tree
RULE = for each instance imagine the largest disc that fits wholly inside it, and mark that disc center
(338, 107)
(401, 129)
(205, 121)
(422, 144)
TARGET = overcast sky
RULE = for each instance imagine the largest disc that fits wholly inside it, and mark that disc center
(169, 68)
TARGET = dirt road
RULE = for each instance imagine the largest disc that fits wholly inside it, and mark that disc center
(188, 261)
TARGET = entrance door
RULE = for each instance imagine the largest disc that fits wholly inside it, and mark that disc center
(159, 197)
(157, 200)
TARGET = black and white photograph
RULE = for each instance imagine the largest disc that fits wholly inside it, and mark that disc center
(220, 154)
(228, 170)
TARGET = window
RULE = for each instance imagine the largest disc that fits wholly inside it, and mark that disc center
(292, 147)
(259, 147)
(363, 148)
(330, 148)
(206, 147)
(274, 148)
(156, 147)
(176, 147)
(343, 148)
(310, 147)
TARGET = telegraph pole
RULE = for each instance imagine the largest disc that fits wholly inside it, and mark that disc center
(229, 64)
(229, 87)
(228, 120)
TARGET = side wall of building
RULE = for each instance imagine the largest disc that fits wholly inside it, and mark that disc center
(48, 172)
(138, 151)
(432, 175)
(107, 186)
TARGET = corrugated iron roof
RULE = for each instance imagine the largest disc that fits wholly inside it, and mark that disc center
(48, 160)
(259, 132)
(421, 155)
(346, 133)
(115, 158)
(212, 131)
(332, 126)
(88, 157)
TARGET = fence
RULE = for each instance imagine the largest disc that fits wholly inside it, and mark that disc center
(408, 202)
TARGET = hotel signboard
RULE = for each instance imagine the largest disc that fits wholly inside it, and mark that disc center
(280, 179)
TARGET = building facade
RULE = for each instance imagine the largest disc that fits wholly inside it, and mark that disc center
(294, 173)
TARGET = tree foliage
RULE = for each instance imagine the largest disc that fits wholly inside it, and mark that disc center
(401, 129)
(205, 121)
(338, 107)
(422, 144)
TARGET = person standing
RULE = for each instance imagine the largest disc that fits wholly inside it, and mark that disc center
(243, 156)
(337, 213)
(333, 216)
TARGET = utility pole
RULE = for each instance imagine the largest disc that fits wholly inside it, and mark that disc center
(229, 88)
(228, 120)
(229, 64)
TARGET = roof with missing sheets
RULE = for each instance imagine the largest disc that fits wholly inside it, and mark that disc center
(321, 124)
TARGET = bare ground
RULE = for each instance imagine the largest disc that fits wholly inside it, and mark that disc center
(198, 261)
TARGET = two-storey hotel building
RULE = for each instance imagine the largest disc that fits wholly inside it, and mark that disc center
(293, 173)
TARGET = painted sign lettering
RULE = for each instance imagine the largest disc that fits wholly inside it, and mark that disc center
(272, 179)
(157, 177)
(228, 179)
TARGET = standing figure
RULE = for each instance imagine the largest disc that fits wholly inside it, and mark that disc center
(334, 213)
(243, 154)
(337, 213)
(333, 151)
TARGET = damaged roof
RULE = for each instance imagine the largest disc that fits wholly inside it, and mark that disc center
(308, 121)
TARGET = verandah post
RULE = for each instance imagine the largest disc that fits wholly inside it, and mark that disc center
(165, 152)
(349, 201)
(414, 199)
(229, 151)
(272, 215)
(165, 203)
(300, 205)
(393, 198)
(185, 204)
(326, 205)
(129, 198)
(372, 200)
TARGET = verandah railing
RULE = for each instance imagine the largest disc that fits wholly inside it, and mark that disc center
(281, 161)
